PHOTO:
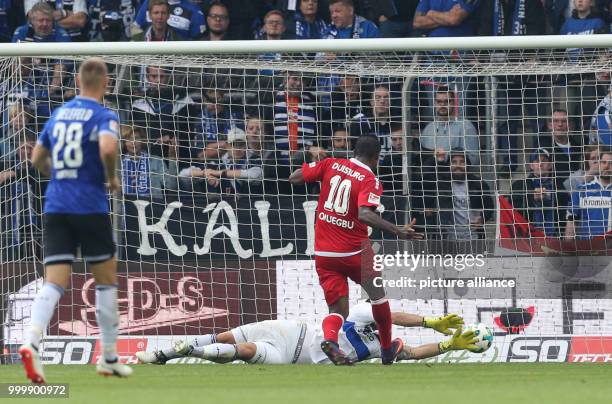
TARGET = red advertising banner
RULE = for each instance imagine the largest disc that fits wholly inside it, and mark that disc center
(591, 349)
(156, 303)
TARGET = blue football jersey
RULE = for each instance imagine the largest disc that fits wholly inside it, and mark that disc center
(591, 204)
(77, 173)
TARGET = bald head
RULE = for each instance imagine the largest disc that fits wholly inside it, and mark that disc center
(93, 76)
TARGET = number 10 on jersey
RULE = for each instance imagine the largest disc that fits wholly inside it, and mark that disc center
(339, 195)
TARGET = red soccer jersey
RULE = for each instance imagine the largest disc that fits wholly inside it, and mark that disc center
(346, 185)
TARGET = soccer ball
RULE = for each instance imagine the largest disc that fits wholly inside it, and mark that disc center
(484, 335)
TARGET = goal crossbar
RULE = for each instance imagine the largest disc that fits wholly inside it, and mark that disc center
(316, 45)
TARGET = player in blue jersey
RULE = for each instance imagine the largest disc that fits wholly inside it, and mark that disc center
(78, 150)
(589, 214)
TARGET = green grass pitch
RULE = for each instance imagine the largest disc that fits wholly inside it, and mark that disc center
(367, 383)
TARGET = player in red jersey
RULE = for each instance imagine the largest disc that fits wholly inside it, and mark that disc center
(350, 194)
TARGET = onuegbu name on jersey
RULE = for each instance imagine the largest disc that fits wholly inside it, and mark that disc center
(345, 224)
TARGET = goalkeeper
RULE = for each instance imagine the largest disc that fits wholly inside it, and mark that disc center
(288, 341)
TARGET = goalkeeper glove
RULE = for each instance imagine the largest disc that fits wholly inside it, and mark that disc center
(442, 324)
(459, 341)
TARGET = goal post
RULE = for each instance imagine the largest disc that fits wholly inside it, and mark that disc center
(487, 142)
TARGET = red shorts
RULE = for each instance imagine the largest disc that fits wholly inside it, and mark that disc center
(334, 273)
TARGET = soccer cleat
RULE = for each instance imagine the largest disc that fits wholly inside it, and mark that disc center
(152, 357)
(388, 356)
(335, 354)
(113, 369)
(31, 364)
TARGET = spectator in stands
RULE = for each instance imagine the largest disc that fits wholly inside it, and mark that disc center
(541, 197)
(159, 30)
(41, 27)
(589, 211)
(21, 196)
(273, 30)
(111, 28)
(391, 168)
(216, 119)
(565, 148)
(187, 19)
(18, 118)
(447, 132)
(295, 119)
(11, 16)
(340, 144)
(42, 78)
(378, 120)
(345, 24)
(259, 147)
(585, 20)
(242, 14)
(111, 20)
(445, 17)
(601, 123)
(68, 14)
(586, 174)
(305, 23)
(424, 188)
(557, 12)
(454, 204)
(274, 26)
(464, 201)
(346, 103)
(235, 173)
(395, 17)
(510, 17)
(163, 114)
(143, 174)
(218, 21)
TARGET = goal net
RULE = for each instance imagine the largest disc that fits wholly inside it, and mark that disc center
(501, 156)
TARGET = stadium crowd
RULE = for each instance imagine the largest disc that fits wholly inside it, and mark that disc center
(226, 132)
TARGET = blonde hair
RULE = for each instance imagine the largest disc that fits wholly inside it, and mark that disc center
(93, 73)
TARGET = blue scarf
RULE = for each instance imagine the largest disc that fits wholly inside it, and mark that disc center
(305, 30)
(518, 18)
(135, 175)
(356, 29)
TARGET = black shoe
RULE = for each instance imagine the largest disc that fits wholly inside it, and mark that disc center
(161, 357)
(334, 353)
(388, 356)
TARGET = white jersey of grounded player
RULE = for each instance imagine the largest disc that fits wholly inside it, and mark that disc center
(358, 340)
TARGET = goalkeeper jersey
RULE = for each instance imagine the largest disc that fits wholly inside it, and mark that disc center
(358, 339)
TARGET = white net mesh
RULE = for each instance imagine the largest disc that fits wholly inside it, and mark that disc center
(211, 235)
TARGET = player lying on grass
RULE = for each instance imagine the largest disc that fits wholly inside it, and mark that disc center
(284, 342)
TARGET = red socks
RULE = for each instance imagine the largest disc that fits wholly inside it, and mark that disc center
(332, 324)
(382, 315)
